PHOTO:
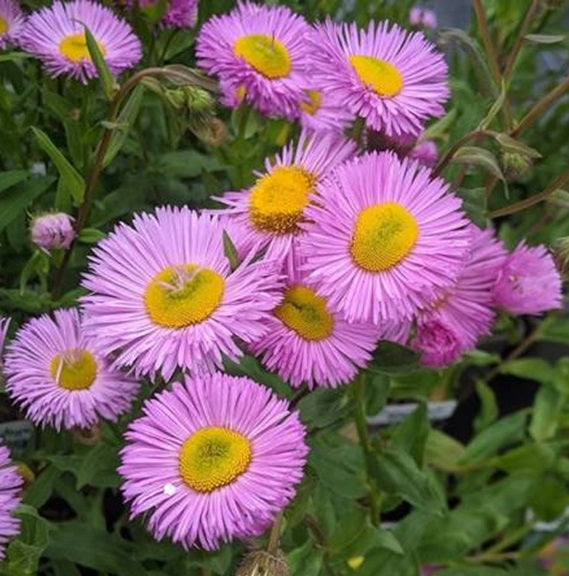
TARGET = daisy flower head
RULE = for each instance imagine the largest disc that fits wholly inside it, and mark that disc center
(56, 35)
(467, 307)
(383, 238)
(55, 373)
(393, 79)
(164, 295)
(319, 111)
(12, 21)
(310, 343)
(258, 54)
(529, 282)
(178, 14)
(230, 454)
(271, 211)
(10, 485)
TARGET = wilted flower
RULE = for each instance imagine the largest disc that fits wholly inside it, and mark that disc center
(54, 372)
(529, 282)
(261, 563)
(229, 455)
(56, 35)
(258, 53)
(393, 79)
(10, 484)
(53, 231)
(12, 21)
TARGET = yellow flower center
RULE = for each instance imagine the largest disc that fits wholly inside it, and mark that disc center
(184, 295)
(74, 47)
(384, 235)
(3, 26)
(265, 54)
(74, 369)
(303, 311)
(384, 78)
(278, 199)
(214, 457)
(314, 102)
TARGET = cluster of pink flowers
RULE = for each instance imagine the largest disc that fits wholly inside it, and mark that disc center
(336, 250)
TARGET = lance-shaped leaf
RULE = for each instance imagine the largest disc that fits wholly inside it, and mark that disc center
(105, 76)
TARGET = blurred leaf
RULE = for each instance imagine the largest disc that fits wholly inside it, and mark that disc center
(440, 127)
(547, 408)
(306, 560)
(103, 72)
(376, 393)
(488, 406)
(230, 251)
(507, 431)
(536, 369)
(494, 109)
(529, 457)
(324, 407)
(91, 236)
(411, 435)
(398, 474)
(476, 156)
(73, 181)
(393, 359)
(101, 461)
(551, 500)
(11, 178)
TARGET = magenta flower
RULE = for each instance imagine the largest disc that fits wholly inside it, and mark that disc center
(12, 21)
(258, 53)
(53, 231)
(164, 296)
(419, 16)
(383, 238)
(212, 460)
(54, 372)
(307, 342)
(271, 212)
(319, 111)
(393, 79)
(437, 342)
(56, 35)
(529, 282)
(10, 484)
(179, 13)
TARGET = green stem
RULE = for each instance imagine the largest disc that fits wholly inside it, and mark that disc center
(361, 426)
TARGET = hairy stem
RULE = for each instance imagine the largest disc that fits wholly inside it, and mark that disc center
(275, 534)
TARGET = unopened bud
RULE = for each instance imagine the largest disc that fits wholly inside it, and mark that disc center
(515, 164)
(198, 99)
(87, 436)
(213, 133)
(261, 563)
(52, 231)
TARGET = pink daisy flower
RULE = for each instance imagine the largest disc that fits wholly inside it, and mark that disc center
(309, 343)
(164, 296)
(12, 21)
(211, 460)
(179, 13)
(56, 35)
(54, 372)
(383, 238)
(393, 79)
(467, 307)
(258, 52)
(10, 485)
(529, 282)
(437, 342)
(270, 213)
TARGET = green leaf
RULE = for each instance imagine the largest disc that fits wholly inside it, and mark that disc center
(230, 251)
(488, 406)
(393, 359)
(507, 431)
(103, 72)
(126, 121)
(324, 407)
(551, 500)
(73, 181)
(397, 474)
(442, 451)
(411, 435)
(14, 56)
(376, 393)
(536, 369)
(101, 460)
(11, 178)
(528, 457)
(91, 236)
(476, 156)
(440, 127)
(509, 144)
(14, 204)
(494, 109)
(547, 409)
(306, 560)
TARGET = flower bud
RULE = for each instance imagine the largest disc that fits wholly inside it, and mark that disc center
(515, 164)
(53, 231)
(261, 563)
